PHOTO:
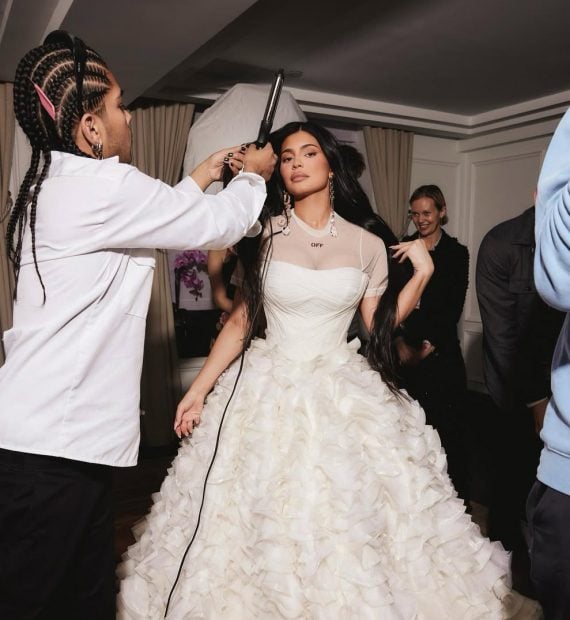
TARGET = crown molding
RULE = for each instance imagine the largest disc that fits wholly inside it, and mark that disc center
(423, 120)
(540, 115)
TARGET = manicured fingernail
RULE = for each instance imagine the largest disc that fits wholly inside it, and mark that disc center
(226, 160)
(230, 154)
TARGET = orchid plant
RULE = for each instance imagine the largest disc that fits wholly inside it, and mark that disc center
(188, 265)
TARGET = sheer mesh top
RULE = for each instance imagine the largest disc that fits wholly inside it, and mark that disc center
(353, 247)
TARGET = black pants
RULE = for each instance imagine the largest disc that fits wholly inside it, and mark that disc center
(548, 513)
(439, 384)
(56, 539)
(515, 455)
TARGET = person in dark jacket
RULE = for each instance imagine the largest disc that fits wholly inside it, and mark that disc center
(433, 370)
(519, 336)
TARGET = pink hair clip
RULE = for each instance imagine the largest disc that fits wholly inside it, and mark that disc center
(47, 105)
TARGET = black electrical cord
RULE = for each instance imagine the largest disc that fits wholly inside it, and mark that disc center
(242, 358)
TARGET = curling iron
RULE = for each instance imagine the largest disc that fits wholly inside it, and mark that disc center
(272, 101)
(267, 121)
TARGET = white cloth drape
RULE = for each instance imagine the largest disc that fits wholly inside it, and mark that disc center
(233, 119)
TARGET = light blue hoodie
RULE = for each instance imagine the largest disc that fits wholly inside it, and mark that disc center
(552, 279)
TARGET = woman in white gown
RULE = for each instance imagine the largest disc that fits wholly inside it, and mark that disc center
(328, 496)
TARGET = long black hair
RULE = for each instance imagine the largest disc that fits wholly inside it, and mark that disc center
(352, 204)
(51, 68)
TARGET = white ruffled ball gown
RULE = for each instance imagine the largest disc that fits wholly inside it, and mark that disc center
(328, 498)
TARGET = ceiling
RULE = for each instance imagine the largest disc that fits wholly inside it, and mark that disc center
(454, 67)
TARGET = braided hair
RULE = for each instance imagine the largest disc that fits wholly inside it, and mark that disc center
(51, 68)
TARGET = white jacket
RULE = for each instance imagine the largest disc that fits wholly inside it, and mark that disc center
(70, 383)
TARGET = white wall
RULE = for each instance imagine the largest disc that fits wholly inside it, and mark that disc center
(437, 161)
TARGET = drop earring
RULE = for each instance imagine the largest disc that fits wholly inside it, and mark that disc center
(97, 149)
(332, 230)
(285, 217)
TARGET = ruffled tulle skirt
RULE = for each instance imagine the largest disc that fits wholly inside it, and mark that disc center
(328, 499)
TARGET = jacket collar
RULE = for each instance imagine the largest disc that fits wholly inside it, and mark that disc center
(523, 232)
(442, 240)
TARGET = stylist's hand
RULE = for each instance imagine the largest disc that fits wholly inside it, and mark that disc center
(212, 169)
(261, 161)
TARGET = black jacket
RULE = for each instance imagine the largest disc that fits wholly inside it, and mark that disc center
(441, 304)
(519, 329)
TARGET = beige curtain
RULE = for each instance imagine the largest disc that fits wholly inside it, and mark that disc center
(159, 140)
(7, 126)
(389, 153)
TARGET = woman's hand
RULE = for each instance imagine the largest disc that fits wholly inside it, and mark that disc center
(261, 161)
(418, 254)
(410, 356)
(409, 296)
(188, 413)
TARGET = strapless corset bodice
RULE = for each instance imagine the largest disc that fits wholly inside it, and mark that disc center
(309, 311)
